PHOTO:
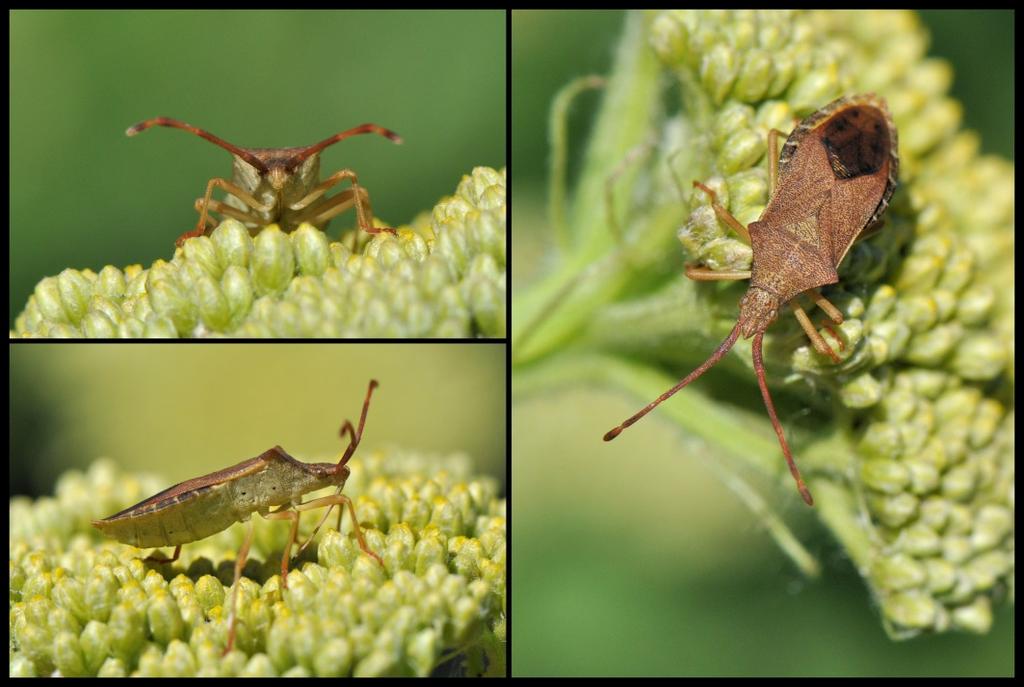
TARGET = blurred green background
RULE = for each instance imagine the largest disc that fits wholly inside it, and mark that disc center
(653, 567)
(84, 195)
(182, 411)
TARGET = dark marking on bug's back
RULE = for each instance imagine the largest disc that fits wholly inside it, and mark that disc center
(159, 502)
(183, 491)
(856, 141)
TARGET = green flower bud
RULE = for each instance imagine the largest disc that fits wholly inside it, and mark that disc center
(913, 428)
(341, 615)
(299, 285)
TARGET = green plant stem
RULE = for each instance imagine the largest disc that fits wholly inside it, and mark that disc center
(558, 125)
(697, 415)
(623, 123)
(691, 410)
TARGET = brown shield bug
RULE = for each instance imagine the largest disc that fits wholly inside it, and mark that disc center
(279, 185)
(836, 174)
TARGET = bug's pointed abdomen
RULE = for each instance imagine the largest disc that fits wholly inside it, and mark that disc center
(172, 521)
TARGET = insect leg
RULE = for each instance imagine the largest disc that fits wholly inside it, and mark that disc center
(160, 559)
(832, 312)
(320, 213)
(364, 214)
(835, 335)
(871, 229)
(320, 189)
(353, 442)
(316, 529)
(243, 556)
(354, 438)
(227, 211)
(724, 215)
(823, 303)
(341, 500)
(285, 514)
(701, 273)
(819, 343)
(199, 205)
(203, 213)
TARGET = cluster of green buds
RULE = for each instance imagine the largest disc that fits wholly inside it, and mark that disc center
(925, 382)
(85, 605)
(909, 452)
(442, 276)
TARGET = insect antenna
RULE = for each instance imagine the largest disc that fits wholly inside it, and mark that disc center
(719, 353)
(320, 524)
(722, 349)
(354, 131)
(805, 494)
(201, 133)
(354, 438)
(357, 435)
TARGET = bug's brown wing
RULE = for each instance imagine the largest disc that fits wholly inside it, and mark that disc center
(846, 213)
(859, 143)
(850, 148)
(790, 258)
(791, 252)
(837, 172)
(237, 470)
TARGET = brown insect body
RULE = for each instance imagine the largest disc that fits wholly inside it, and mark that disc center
(199, 507)
(833, 160)
(837, 172)
(279, 185)
(227, 496)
